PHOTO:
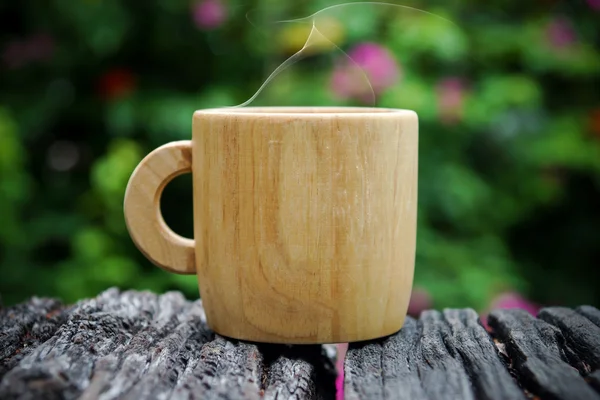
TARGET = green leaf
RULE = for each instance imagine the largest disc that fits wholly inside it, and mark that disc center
(120, 117)
(464, 273)
(12, 153)
(497, 94)
(186, 283)
(111, 173)
(91, 245)
(102, 25)
(577, 58)
(115, 270)
(413, 94)
(565, 144)
(461, 193)
(414, 34)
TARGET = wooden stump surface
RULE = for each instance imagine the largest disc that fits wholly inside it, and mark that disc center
(138, 345)
(450, 355)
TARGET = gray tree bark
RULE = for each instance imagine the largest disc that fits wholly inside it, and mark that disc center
(450, 355)
(137, 345)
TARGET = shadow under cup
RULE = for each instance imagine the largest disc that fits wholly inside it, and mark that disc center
(304, 220)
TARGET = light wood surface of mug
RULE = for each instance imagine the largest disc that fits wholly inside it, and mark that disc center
(304, 220)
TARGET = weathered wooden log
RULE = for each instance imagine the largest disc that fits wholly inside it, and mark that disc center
(591, 313)
(450, 355)
(541, 356)
(581, 334)
(131, 345)
(26, 326)
(441, 356)
(136, 345)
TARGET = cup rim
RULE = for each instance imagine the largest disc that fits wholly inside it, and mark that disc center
(306, 111)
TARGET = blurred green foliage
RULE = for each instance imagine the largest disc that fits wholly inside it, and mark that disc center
(508, 98)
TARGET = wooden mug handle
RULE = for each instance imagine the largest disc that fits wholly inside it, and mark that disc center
(143, 217)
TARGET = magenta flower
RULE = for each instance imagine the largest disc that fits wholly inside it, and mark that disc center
(420, 300)
(594, 4)
(342, 348)
(510, 300)
(560, 33)
(209, 14)
(370, 70)
(451, 94)
(515, 300)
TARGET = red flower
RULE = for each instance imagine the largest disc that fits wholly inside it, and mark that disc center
(116, 83)
(595, 122)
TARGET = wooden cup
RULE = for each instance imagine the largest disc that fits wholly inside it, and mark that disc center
(304, 220)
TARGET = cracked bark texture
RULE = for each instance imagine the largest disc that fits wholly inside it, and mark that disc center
(137, 345)
(450, 355)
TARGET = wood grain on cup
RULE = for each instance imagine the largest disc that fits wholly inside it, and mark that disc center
(144, 220)
(304, 222)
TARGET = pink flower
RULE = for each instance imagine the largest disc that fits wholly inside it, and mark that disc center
(594, 4)
(420, 300)
(370, 70)
(339, 382)
(560, 33)
(209, 14)
(510, 300)
(514, 300)
(451, 93)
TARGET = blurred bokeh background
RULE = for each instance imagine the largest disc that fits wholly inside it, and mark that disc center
(508, 95)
